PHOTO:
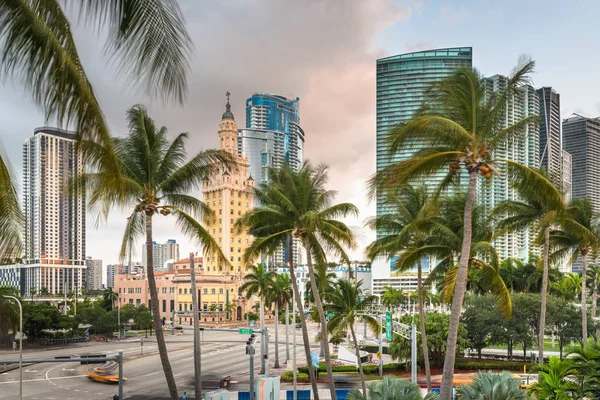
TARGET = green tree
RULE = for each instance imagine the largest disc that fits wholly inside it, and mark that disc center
(278, 294)
(578, 233)
(406, 233)
(38, 317)
(568, 287)
(553, 382)
(540, 207)
(437, 335)
(32, 292)
(348, 305)
(585, 360)
(564, 321)
(143, 319)
(460, 127)
(157, 179)
(493, 386)
(480, 317)
(258, 282)
(11, 219)
(392, 298)
(298, 205)
(9, 313)
(109, 297)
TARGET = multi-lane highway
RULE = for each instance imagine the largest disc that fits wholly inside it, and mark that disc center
(223, 354)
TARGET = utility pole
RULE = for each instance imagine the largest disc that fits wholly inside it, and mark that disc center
(197, 351)
(295, 378)
(250, 351)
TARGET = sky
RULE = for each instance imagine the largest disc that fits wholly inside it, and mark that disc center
(324, 52)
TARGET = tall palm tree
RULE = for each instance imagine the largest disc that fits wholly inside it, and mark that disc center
(578, 232)
(157, 179)
(540, 207)
(325, 283)
(258, 282)
(392, 298)
(406, 229)
(509, 271)
(594, 281)
(278, 294)
(348, 305)
(148, 40)
(460, 127)
(297, 204)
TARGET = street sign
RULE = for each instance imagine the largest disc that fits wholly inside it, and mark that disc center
(314, 359)
(245, 331)
(388, 325)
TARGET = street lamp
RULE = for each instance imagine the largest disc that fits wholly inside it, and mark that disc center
(20, 344)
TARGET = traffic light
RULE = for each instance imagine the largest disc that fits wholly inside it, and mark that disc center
(250, 345)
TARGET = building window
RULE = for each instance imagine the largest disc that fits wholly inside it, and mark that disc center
(179, 306)
(212, 291)
(220, 290)
(164, 304)
(172, 305)
(138, 303)
(239, 259)
(179, 290)
(185, 291)
(205, 291)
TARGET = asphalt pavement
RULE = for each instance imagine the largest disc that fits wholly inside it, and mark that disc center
(223, 354)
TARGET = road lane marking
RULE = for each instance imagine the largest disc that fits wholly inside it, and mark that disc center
(44, 379)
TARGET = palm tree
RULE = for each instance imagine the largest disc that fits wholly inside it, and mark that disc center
(150, 45)
(348, 305)
(509, 272)
(461, 127)
(540, 207)
(553, 382)
(298, 205)
(585, 360)
(157, 179)
(578, 232)
(594, 281)
(493, 386)
(325, 283)
(406, 229)
(278, 294)
(258, 282)
(32, 292)
(392, 298)
(44, 291)
(109, 297)
(391, 388)
(569, 287)
(11, 219)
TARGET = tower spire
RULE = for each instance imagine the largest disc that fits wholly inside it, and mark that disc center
(227, 114)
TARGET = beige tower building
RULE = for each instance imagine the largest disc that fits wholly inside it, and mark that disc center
(229, 193)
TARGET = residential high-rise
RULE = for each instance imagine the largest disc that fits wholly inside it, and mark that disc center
(229, 193)
(567, 173)
(273, 137)
(550, 133)
(581, 138)
(402, 84)
(161, 253)
(523, 149)
(93, 274)
(111, 271)
(54, 209)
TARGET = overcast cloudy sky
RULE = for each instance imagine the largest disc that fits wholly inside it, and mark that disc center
(324, 52)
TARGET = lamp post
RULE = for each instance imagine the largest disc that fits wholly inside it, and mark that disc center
(20, 344)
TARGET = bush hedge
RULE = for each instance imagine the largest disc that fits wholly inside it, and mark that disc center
(288, 376)
(465, 364)
(367, 368)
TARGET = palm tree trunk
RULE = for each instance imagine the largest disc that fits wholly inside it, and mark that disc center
(360, 368)
(311, 371)
(319, 305)
(584, 265)
(263, 341)
(422, 326)
(276, 365)
(459, 291)
(160, 339)
(287, 332)
(594, 296)
(544, 294)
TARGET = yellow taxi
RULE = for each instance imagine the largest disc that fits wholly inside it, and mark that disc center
(105, 376)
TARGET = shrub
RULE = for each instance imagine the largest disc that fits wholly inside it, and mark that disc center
(463, 364)
(288, 376)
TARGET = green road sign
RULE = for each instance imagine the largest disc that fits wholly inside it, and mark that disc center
(245, 331)
(388, 325)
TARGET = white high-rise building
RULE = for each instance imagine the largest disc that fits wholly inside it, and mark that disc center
(523, 149)
(111, 271)
(161, 253)
(54, 209)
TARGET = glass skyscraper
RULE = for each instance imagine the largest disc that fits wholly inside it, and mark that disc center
(402, 82)
(272, 137)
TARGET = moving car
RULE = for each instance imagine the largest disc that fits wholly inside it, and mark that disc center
(105, 376)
